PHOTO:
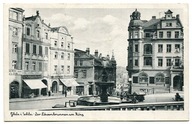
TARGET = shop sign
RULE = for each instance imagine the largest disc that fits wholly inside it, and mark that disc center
(15, 72)
(32, 76)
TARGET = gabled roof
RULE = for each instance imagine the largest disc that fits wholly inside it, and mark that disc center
(57, 29)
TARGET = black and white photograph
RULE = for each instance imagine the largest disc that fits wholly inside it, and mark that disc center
(83, 61)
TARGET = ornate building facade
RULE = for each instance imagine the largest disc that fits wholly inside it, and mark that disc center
(36, 44)
(15, 51)
(62, 62)
(155, 53)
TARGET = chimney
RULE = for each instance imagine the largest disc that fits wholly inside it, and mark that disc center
(37, 12)
(87, 51)
(177, 16)
(153, 17)
(96, 53)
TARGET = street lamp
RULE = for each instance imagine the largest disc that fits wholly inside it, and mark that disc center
(130, 85)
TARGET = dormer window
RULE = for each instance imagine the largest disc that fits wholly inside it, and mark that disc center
(169, 24)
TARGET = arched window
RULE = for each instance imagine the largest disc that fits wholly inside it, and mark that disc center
(160, 78)
(143, 78)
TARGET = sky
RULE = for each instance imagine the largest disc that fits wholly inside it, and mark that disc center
(103, 29)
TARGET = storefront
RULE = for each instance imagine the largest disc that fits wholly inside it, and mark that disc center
(69, 86)
(33, 88)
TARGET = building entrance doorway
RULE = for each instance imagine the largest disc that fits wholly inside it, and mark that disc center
(177, 83)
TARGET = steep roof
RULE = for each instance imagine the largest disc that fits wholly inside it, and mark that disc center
(151, 24)
(33, 18)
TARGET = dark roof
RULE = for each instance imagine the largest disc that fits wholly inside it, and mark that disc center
(151, 24)
(168, 12)
(31, 18)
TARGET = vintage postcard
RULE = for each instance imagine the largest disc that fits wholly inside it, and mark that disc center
(96, 62)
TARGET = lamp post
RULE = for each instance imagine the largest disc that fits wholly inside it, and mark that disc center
(130, 85)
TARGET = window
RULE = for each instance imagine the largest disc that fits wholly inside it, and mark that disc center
(28, 31)
(136, 62)
(46, 35)
(14, 64)
(136, 48)
(38, 34)
(81, 62)
(147, 35)
(34, 50)
(56, 54)
(135, 79)
(151, 80)
(45, 66)
(169, 62)
(68, 57)
(34, 66)
(160, 48)
(167, 80)
(62, 44)
(75, 62)
(15, 48)
(177, 62)
(147, 61)
(15, 31)
(27, 48)
(68, 45)
(168, 34)
(136, 34)
(26, 66)
(55, 43)
(168, 48)
(169, 24)
(159, 78)
(40, 51)
(177, 48)
(46, 51)
(84, 73)
(176, 34)
(68, 69)
(55, 68)
(62, 68)
(76, 74)
(62, 55)
(161, 34)
(160, 62)
(147, 49)
(143, 78)
(40, 66)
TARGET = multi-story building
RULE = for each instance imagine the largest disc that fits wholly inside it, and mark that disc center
(155, 53)
(36, 43)
(15, 51)
(62, 62)
(88, 70)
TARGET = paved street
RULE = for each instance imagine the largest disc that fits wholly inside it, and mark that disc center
(48, 102)
(39, 104)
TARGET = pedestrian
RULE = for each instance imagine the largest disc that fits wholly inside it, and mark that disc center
(121, 96)
(65, 93)
(178, 97)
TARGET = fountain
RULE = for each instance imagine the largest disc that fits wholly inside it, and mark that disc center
(104, 85)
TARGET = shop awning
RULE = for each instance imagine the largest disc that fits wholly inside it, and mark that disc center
(35, 83)
(69, 82)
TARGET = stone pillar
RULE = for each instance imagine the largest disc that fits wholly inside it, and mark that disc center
(171, 85)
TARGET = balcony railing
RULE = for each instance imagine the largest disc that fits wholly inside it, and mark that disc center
(166, 106)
